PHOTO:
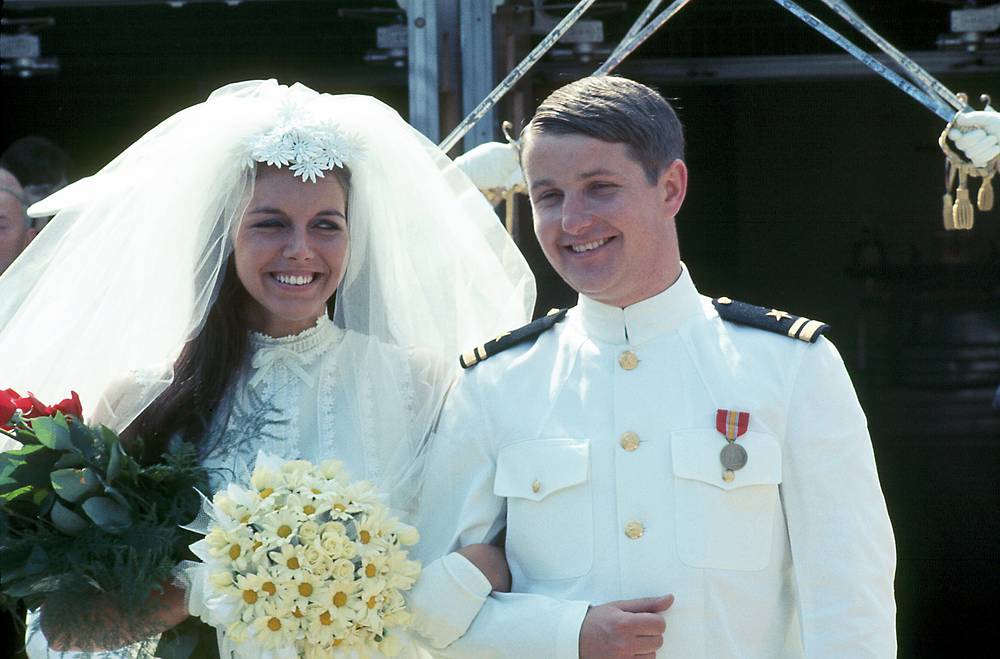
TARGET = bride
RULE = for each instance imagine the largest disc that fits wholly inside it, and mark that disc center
(271, 269)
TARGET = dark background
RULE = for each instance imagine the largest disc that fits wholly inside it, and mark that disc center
(819, 194)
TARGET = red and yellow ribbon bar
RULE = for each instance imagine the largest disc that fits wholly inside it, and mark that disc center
(731, 423)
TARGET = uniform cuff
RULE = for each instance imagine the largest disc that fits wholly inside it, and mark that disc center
(568, 630)
(446, 599)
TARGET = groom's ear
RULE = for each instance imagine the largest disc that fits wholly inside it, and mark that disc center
(673, 183)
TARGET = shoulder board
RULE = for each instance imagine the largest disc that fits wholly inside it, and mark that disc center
(773, 320)
(511, 339)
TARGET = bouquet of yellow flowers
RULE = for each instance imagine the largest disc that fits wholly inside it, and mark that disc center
(303, 563)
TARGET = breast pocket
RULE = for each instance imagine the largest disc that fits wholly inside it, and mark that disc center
(725, 525)
(550, 523)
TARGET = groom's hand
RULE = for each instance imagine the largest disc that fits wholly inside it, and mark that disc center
(625, 628)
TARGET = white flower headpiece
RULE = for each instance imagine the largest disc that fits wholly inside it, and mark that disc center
(306, 143)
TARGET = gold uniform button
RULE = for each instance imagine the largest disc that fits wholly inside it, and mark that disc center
(634, 530)
(729, 475)
(725, 300)
(536, 487)
(628, 360)
(629, 441)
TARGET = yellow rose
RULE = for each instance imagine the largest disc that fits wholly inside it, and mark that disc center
(308, 531)
(408, 535)
(220, 578)
(343, 570)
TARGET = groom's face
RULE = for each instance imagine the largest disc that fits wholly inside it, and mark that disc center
(603, 226)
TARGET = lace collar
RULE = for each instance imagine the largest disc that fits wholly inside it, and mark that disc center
(296, 351)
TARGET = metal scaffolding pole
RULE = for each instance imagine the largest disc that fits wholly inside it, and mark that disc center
(476, 17)
(422, 29)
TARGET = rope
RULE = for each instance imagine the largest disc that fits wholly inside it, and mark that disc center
(935, 105)
(930, 97)
(625, 49)
(926, 80)
(639, 23)
(515, 74)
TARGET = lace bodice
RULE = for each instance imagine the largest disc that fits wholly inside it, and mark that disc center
(310, 396)
(274, 404)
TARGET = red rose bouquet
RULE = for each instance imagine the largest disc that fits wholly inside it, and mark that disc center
(85, 529)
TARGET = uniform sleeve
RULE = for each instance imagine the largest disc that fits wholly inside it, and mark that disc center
(445, 599)
(843, 551)
(458, 508)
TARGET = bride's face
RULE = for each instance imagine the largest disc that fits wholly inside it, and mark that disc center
(291, 250)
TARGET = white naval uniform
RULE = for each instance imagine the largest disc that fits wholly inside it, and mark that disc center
(610, 485)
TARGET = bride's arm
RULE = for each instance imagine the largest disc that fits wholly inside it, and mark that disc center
(492, 562)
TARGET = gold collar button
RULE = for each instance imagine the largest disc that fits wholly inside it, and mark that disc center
(629, 441)
(628, 360)
(634, 530)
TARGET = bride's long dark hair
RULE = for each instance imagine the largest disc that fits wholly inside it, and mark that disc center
(206, 366)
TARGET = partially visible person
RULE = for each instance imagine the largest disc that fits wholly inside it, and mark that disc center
(15, 225)
(271, 269)
(40, 164)
(676, 476)
(977, 134)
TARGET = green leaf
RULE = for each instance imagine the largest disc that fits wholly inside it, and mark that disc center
(66, 520)
(24, 435)
(74, 485)
(38, 560)
(39, 495)
(68, 460)
(52, 432)
(20, 493)
(33, 466)
(52, 584)
(46, 505)
(107, 514)
(176, 646)
(117, 496)
(18, 455)
(84, 439)
(115, 459)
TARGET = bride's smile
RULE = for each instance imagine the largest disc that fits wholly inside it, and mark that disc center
(291, 250)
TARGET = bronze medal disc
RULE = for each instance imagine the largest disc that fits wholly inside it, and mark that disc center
(733, 456)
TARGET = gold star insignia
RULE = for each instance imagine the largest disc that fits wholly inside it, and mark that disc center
(778, 315)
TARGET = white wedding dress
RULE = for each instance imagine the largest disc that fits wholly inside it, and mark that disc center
(298, 397)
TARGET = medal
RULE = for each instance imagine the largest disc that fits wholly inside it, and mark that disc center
(733, 456)
(732, 425)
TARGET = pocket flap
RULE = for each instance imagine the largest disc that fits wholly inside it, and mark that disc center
(695, 456)
(536, 468)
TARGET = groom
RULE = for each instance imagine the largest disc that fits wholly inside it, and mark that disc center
(675, 475)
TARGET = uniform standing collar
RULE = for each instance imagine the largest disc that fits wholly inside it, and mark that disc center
(643, 320)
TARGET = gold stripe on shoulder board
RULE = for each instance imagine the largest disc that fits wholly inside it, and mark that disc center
(796, 326)
(469, 359)
(809, 330)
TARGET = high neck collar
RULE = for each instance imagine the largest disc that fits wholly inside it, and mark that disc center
(645, 319)
(309, 340)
